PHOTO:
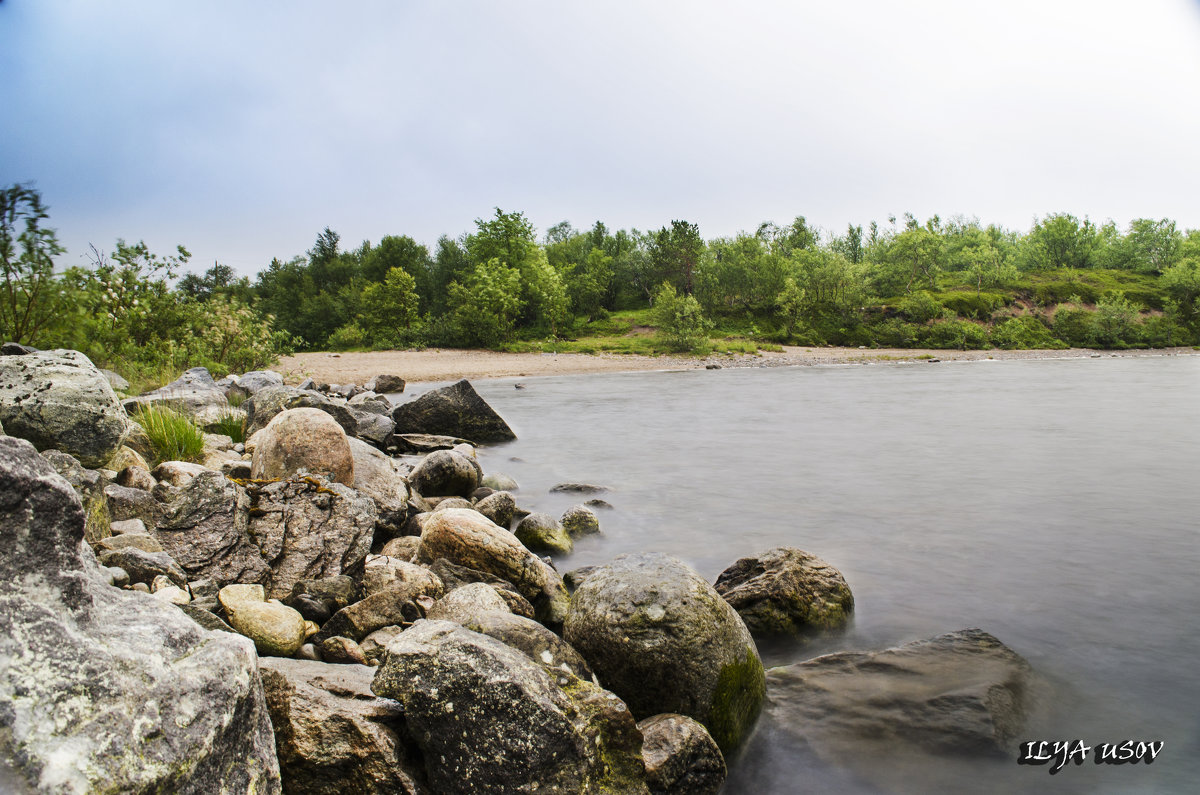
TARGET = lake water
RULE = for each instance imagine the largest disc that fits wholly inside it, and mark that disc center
(1053, 503)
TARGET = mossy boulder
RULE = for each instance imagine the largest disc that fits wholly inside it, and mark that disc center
(541, 532)
(660, 637)
(579, 520)
(787, 591)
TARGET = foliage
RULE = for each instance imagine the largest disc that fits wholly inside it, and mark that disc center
(29, 299)
(348, 337)
(1023, 333)
(485, 309)
(680, 320)
(388, 310)
(920, 307)
(1116, 322)
(231, 424)
(173, 436)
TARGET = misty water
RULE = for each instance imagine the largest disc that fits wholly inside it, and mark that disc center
(1052, 503)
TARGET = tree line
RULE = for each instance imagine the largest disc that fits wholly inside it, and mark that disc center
(904, 283)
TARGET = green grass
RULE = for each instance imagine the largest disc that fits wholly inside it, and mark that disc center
(231, 424)
(173, 436)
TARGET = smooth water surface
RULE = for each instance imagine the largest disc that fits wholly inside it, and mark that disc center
(1053, 503)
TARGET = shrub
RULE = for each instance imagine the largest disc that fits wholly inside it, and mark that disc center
(1023, 333)
(348, 336)
(920, 307)
(960, 334)
(173, 436)
(979, 306)
(1116, 322)
(1073, 325)
(230, 424)
(681, 323)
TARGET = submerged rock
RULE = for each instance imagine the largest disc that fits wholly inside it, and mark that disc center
(455, 410)
(579, 520)
(663, 640)
(59, 400)
(786, 591)
(104, 690)
(489, 719)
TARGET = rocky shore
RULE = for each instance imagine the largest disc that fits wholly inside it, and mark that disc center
(346, 602)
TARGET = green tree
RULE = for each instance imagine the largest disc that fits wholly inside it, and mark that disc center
(680, 320)
(388, 311)
(1181, 282)
(675, 252)
(913, 256)
(484, 310)
(1061, 241)
(30, 298)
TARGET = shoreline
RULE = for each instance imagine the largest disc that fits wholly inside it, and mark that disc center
(449, 364)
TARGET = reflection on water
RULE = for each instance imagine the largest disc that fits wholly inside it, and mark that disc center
(1055, 504)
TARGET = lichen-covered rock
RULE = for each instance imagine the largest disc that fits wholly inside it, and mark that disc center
(786, 591)
(303, 440)
(378, 476)
(541, 532)
(59, 400)
(524, 731)
(468, 602)
(276, 535)
(531, 639)
(963, 692)
(681, 758)
(445, 473)
(455, 410)
(381, 573)
(499, 507)
(659, 636)
(334, 736)
(143, 566)
(579, 521)
(104, 690)
(468, 538)
(194, 393)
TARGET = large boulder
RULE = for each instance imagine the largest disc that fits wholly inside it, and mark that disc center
(489, 719)
(275, 534)
(445, 473)
(455, 410)
(963, 692)
(468, 602)
(385, 383)
(104, 690)
(333, 735)
(786, 591)
(378, 476)
(59, 400)
(531, 639)
(659, 636)
(541, 532)
(194, 393)
(271, 400)
(468, 538)
(303, 440)
(255, 381)
(681, 758)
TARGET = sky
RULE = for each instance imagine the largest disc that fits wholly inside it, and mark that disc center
(241, 130)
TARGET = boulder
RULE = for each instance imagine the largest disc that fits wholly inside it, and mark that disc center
(272, 400)
(402, 548)
(275, 534)
(16, 349)
(143, 566)
(128, 503)
(126, 457)
(531, 639)
(143, 541)
(136, 477)
(377, 476)
(524, 731)
(381, 573)
(578, 488)
(177, 473)
(303, 440)
(388, 608)
(662, 639)
(342, 651)
(455, 410)
(118, 383)
(317, 600)
(499, 507)
(194, 393)
(334, 736)
(369, 401)
(468, 538)
(468, 602)
(445, 473)
(786, 591)
(499, 482)
(390, 384)
(680, 756)
(59, 400)
(541, 532)
(963, 692)
(105, 690)
(579, 521)
(446, 503)
(255, 381)
(277, 630)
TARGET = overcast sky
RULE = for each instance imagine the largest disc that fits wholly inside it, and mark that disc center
(241, 129)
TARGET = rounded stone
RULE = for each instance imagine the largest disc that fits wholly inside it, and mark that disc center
(468, 602)
(541, 532)
(303, 439)
(580, 521)
(277, 630)
(787, 591)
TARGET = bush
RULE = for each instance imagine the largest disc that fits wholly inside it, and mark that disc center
(895, 333)
(681, 323)
(1023, 333)
(978, 306)
(960, 334)
(1062, 291)
(1073, 325)
(173, 436)
(920, 307)
(1116, 322)
(347, 337)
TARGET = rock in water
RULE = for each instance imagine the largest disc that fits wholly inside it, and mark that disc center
(680, 756)
(303, 440)
(59, 400)
(455, 410)
(334, 735)
(489, 719)
(663, 640)
(541, 532)
(786, 591)
(445, 473)
(386, 383)
(960, 693)
(103, 690)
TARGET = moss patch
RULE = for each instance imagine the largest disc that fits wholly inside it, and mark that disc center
(737, 699)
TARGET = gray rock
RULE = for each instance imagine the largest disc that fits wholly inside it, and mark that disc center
(136, 477)
(342, 651)
(387, 608)
(402, 548)
(156, 704)
(467, 538)
(376, 404)
(334, 736)
(786, 591)
(661, 638)
(455, 410)
(143, 541)
(579, 521)
(177, 473)
(578, 488)
(445, 503)
(319, 599)
(255, 381)
(126, 503)
(526, 732)
(963, 692)
(377, 476)
(390, 384)
(59, 400)
(277, 630)
(303, 441)
(499, 507)
(194, 394)
(575, 577)
(120, 577)
(468, 602)
(531, 639)
(381, 573)
(118, 383)
(16, 349)
(541, 532)
(445, 473)
(680, 756)
(143, 566)
(601, 504)
(275, 534)
(136, 526)
(421, 443)
(206, 618)
(499, 482)
(271, 400)
(374, 646)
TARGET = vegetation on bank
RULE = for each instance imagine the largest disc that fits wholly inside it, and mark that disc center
(938, 284)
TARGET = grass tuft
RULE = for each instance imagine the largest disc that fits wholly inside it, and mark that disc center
(173, 436)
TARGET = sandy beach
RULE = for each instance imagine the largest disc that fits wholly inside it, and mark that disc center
(449, 364)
